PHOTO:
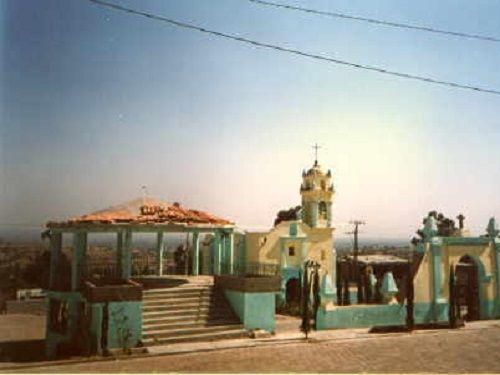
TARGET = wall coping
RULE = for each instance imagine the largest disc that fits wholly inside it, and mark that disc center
(255, 284)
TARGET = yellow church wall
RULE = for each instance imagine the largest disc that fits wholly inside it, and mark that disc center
(422, 281)
(265, 247)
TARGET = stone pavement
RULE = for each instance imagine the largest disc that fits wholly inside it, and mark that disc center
(474, 348)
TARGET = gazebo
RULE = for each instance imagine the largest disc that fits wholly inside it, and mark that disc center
(78, 304)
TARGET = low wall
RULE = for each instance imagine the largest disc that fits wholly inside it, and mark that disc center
(360, 316)
(255, 310)
(252, 299)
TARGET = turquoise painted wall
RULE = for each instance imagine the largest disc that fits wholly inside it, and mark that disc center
(361, 316)
(255, 310)
(124, 324)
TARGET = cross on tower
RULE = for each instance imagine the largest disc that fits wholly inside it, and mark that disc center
(316, 147)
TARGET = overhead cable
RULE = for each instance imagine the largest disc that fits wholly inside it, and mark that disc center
(294, 51)
(378, 21)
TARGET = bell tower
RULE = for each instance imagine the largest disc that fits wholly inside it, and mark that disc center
(317, 195)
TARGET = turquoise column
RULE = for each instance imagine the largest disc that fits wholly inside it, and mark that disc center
(96, 328)
(230, 252)
(127, 255)
(242, 253)
(196, 253)
(119, 254)
(159, 253)
(217, 253)
(437, 276)
(78, 261)
(55, 255)
(223, 250)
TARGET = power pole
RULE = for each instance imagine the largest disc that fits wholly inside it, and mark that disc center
(355, 232)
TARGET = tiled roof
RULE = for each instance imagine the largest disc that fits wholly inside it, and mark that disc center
(145, 211)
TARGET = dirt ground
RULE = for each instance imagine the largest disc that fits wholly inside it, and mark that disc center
(22, 331)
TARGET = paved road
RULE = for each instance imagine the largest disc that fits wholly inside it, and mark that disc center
(462, 351)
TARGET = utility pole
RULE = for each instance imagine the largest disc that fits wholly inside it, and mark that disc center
(355, 232)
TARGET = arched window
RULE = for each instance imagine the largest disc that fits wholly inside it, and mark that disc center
(322, 210)
(291, 251)
(323, 185)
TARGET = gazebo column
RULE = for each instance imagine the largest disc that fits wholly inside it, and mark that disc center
(119, 254)
(126, 259)
(242, 253)
(196, 254)
(78, 261)
(160, 244)
(55, 255)
(229, 252)
(217, 253)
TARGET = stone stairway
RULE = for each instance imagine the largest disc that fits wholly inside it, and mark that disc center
(187, 313)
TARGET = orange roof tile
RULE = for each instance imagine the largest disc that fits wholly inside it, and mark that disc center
(146, 211)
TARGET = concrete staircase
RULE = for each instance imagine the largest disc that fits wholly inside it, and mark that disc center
(187, 313)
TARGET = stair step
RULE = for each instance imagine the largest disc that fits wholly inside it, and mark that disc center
(179, 300)
(194, 318)
(194, 289)
(190, 311)
(175, 332)
(177, 295)
(192, 323)
(176, 307)
(213, 336)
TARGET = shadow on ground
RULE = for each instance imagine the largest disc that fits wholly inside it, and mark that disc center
(22, 351)
(419, 327)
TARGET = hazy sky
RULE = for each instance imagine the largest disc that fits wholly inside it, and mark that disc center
(96, 103)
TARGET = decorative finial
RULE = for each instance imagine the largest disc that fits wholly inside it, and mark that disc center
(316, 147)
(492, 228)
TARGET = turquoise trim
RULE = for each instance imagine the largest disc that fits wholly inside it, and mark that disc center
(255, 310)
(437, 276)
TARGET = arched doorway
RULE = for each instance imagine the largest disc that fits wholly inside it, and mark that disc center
(293, 291)
(467, 288)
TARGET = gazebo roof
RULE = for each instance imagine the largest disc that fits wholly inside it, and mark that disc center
(143, 211)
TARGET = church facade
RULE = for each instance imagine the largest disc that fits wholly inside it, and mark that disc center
(289, 244)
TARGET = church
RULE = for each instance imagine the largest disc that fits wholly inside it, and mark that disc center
(233, 281)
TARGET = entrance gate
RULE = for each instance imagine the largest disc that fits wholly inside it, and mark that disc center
(467, 288)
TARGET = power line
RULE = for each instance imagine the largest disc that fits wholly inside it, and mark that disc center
(379, 22)
(296, 52)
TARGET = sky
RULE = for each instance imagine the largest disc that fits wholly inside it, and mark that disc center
(96, 103)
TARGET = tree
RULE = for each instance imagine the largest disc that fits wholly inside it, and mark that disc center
(287, 215)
